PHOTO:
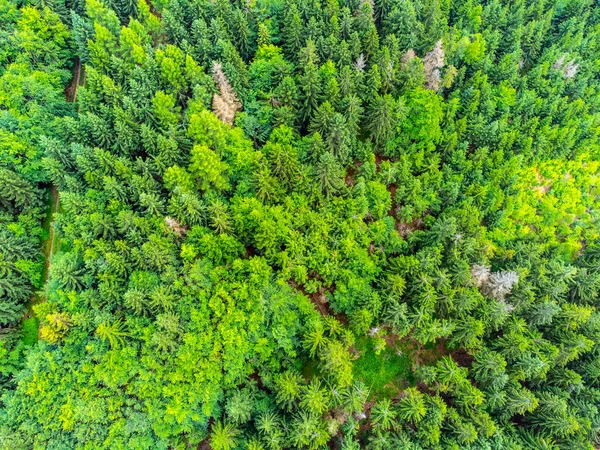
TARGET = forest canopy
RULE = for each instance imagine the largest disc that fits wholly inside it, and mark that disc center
(300, 224)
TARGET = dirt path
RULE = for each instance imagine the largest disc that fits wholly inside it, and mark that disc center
(71, 96)
(48, 249)
(55, 200)
(71, 89)
(48, 246)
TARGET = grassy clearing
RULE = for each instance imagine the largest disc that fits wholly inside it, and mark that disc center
(50, 244)
(385, 373)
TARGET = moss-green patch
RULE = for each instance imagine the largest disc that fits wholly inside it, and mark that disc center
(30, 330)
(50, 243)
(48, 211)
(430, 346)
(381, 372)
(310, 369)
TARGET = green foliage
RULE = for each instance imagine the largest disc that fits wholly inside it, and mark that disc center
(35, 51)
(30, 331)
(207, 169)
(223, 437)
(300, 224)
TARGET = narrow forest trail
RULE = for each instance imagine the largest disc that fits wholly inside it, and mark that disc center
(51, 243)
(52, 234)
(71, 96)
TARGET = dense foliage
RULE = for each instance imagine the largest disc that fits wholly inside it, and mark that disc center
(302, 224)
(34, 61)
